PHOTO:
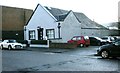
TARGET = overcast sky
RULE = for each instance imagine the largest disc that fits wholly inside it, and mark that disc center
(101, 11)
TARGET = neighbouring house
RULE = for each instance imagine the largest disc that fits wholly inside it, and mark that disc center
(60, 25)
(113, 28)
(12, 22)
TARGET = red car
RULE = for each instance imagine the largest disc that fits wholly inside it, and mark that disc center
(81, 40)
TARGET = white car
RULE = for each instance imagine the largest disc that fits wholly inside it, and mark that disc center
(11, 44)
(109, 39)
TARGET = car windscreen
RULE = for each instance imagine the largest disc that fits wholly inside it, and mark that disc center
(98, 38)
(104, 38)
(12, 41)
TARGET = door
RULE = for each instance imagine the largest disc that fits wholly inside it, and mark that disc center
(5, 43)
(117, 48)
(40, 34)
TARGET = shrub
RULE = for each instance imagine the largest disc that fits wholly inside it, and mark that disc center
(22, 41)
(41, 42)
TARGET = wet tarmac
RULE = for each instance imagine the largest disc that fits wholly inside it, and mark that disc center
(79, 59)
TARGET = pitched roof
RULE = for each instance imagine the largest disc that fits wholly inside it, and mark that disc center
(61, 14)
(113, 25)
(86, 22)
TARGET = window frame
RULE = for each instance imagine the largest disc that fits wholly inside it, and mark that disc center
(34, 35)
(50, 34)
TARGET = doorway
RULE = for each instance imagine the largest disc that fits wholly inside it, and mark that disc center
(40, 34)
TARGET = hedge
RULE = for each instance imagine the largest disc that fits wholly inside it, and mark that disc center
(41, 42)
(22, 41)
(63, 45)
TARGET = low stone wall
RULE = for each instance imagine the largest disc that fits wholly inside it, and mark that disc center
(63, 45)
(47, 44)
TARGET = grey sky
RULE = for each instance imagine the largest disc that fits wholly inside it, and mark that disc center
(101, 11)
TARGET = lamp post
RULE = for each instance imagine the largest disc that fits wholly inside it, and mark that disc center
(38, 29)
(59, 29)
(16, 36)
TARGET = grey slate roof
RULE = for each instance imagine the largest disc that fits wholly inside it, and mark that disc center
(60, 15)
(112, 25)
(86, 22)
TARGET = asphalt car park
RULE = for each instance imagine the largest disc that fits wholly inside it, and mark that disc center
(45, 59)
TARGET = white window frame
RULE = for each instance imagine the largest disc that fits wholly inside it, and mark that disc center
(32, 34)
(50, 33)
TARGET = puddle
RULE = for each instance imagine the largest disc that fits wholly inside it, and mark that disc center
(29, 69)
(49, 53)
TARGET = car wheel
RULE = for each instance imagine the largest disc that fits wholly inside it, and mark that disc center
(81, 45)
(9, 47)
(1, 46)
(105, 54)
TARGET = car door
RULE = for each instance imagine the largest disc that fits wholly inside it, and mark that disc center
(74, 39)
(5, 43)
(116, 49)
(93, 41)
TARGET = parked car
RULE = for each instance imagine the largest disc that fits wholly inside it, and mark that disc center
(0, 41)
(117, 40)
(96, 41)
(11, 44)
(109, 50)
(80, 40)
(109, 39)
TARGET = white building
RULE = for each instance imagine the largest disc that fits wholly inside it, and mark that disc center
(60, 25)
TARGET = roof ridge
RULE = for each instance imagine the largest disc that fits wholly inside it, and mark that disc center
(61, 14)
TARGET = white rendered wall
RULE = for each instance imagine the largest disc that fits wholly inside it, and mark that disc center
(43, 19)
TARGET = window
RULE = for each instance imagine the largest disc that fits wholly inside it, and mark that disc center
(79, 38)
(74, 38)
(112, 39)
(86, 37)
(12, 41)
(32, 35)
(50, 33)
